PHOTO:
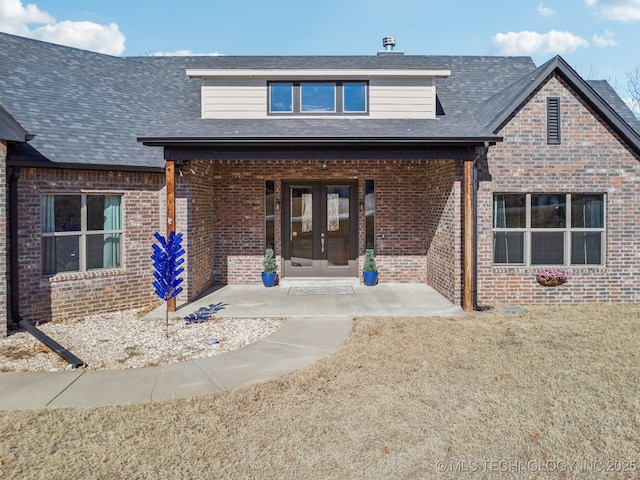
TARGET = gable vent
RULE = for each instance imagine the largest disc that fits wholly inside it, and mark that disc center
(553, 120)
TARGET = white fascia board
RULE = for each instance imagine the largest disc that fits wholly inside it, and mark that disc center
(307, 74)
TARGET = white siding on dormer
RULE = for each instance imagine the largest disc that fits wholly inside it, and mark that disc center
(406, 99)
(388, 98)
(234, 99)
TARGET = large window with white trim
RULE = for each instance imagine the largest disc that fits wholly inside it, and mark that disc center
(318, 97)
(548, 229)
(81, 232)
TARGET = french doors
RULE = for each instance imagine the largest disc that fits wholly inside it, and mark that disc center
(320, 228)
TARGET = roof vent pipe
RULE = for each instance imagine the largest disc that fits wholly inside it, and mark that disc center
(389, 44)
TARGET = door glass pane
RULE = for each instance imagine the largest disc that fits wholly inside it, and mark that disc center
(301, 208)
(337, 241)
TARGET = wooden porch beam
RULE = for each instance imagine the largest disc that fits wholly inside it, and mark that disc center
(170, 179)
(469, 240)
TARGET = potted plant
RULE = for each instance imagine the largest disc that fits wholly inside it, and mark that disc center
(370, 270)
(551, 277)
(269, 268)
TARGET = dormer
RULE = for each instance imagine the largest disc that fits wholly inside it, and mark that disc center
(312, 93)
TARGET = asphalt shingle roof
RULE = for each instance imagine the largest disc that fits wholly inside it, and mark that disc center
(89, 109)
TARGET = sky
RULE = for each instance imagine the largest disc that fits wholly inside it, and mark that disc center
(599, 38)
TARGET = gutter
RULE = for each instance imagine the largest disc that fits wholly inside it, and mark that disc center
(483, 155)
(14, 305)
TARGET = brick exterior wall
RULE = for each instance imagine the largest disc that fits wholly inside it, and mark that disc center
(4, 259)
(226, 227)
(591, 159)
(75, 294)
(444, 214)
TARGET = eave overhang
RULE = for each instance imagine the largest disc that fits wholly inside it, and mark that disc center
(318, 142)
(302, 74)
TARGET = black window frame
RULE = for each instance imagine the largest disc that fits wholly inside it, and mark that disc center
(297, 95)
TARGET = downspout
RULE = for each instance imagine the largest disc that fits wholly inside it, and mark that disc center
(483, 155)
(14, 305)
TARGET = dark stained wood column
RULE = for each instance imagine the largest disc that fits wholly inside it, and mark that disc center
(170, 178)
(469, 240)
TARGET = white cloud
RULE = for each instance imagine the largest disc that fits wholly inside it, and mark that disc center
(544, 11)
(532, 43)
(618, 10)
(15, 18)
(605, 40)
(185, 53)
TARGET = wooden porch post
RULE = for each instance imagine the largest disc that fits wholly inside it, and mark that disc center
(469, 240)
(170, 178)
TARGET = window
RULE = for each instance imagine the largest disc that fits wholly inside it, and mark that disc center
(312, 98)
(81, 232)
(553, 120)
(269, 214)
(548, 229)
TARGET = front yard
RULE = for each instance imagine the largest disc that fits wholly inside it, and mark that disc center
(552, 393)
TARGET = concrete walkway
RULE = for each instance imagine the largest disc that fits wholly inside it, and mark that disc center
(319, 319)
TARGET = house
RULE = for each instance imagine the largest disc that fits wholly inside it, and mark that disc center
(469, 174)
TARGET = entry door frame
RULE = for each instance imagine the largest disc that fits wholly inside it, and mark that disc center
(319, 264)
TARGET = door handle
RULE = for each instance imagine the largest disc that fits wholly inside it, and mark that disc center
(322, 242)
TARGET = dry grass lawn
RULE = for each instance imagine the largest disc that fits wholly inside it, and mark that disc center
(552, 393)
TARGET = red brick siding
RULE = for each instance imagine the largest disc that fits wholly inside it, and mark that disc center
(404, 202)
(444, 223)
(78, 294)
(591, 159)
(195, 218)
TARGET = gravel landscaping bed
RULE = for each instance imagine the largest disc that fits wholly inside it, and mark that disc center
(126, 340)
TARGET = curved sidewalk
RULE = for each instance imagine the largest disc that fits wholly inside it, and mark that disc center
(299, 342)
(318, 321)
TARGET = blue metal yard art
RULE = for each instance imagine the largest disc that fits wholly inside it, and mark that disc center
(167, 261)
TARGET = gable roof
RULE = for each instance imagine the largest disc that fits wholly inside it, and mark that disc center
(88, 110)
(495, 111)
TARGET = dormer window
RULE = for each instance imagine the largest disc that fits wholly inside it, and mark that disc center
(314, 98)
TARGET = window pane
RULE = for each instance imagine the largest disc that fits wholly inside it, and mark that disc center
(586, 248)
(318, 97)
(60, 254)
(548, 211)
(355, 97)
(103, 251)
(508, 247)
(95, 212)
(60, 213)
(509, 211)
(587, 211)
(370, 213)
(547, 248)
(281, 97)
(269, 214)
